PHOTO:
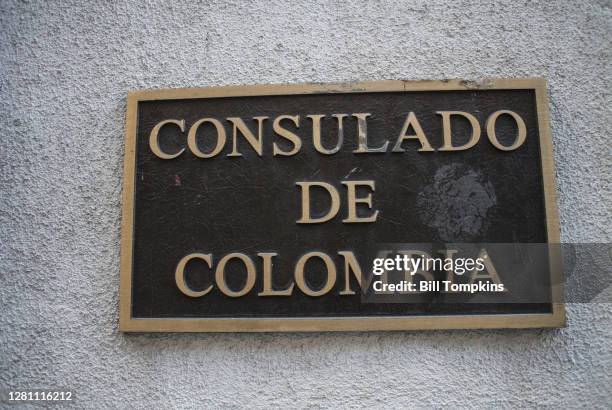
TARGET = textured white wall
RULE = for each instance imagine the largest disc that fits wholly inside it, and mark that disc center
(65, 70)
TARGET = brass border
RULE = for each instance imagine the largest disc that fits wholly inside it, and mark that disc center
(316, 324)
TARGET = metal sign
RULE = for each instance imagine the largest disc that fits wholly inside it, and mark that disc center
(364, 206)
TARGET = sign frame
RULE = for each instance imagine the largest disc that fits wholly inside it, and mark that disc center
(349, 323)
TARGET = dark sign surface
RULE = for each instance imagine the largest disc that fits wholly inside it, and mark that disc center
(267, 208)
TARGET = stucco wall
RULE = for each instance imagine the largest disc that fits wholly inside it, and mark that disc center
(65, 69)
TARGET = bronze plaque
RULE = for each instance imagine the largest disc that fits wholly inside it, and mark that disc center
(310, 208)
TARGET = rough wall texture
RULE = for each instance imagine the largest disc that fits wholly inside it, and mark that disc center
(65, 68)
